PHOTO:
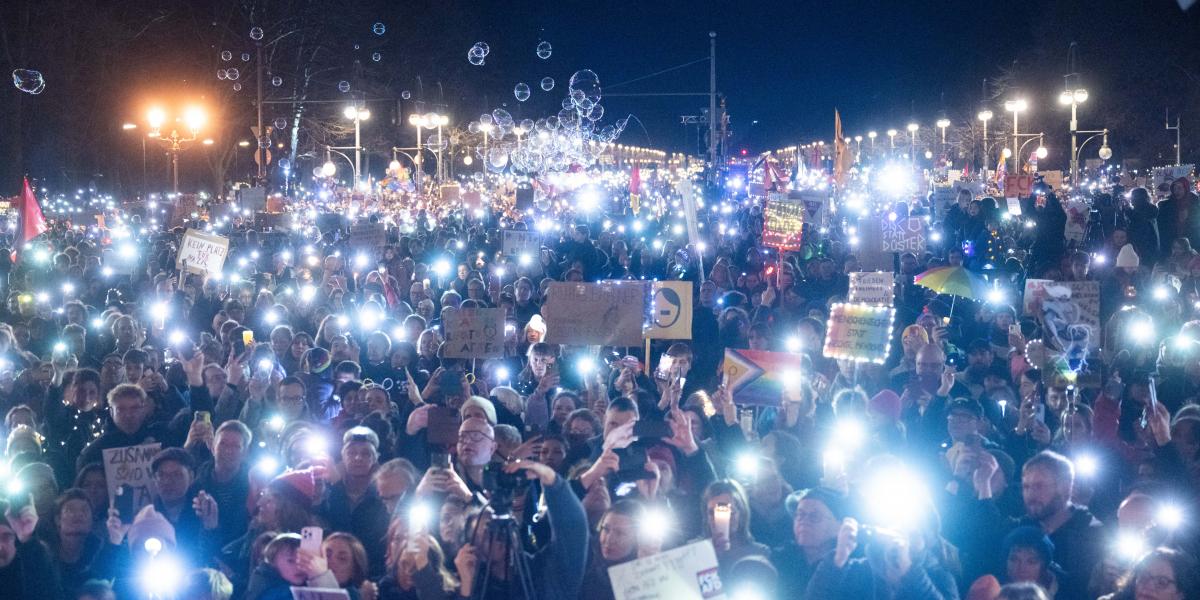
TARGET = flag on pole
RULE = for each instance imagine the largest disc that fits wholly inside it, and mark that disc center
(1001, 172)
(842, 158)
(33, 222)
(635, 186)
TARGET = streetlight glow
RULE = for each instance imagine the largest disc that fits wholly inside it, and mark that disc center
(985, 115)
(156, 117)
(194, 118)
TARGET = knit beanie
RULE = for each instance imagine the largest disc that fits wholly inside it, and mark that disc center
(1127, 257)
(150, 523)
(886, 403)
(299, 486)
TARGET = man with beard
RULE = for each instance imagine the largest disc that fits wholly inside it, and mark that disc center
(1047, 481)
(925, 397)
(1178, 216)
(979, 361)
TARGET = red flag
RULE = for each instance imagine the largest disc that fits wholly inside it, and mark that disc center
(33, 222)
(635, 186)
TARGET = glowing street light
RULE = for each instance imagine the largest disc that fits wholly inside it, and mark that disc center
(984, 116)
(193, 117)
(1016, 107)
(892, 137)
(358, 114)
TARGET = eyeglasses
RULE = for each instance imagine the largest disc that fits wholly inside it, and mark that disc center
(1158, 582)
(473, 436)
(291, 399)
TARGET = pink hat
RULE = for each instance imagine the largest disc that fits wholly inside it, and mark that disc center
(886, 403)
(300, 486)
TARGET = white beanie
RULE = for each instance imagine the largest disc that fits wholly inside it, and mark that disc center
(1127, 257)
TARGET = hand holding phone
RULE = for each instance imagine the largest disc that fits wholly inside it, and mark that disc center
(310, 540)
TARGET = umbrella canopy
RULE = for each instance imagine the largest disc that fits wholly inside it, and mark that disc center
(955, 281)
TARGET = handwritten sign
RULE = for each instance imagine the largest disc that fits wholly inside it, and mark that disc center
(474, 333)
(759, 377)
(902, 235)
(202, 253)
(516, 243)
(783, 222)
(671, 311)
(369, 238)
(1018, 186)
(130, 466)
(310, 593)
(1069, 312)
(608, 313)
(685, 573)
(1078, 213)
(873, 288)
(859, 332)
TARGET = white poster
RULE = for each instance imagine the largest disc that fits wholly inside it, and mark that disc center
(685, 573)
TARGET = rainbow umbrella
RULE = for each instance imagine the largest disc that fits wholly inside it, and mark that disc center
(954, 281)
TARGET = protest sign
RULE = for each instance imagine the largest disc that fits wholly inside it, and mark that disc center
(1014, 206)
(130, 465)
(1078, 212)
(902, 235)
(685, 573)
(1018, 186)
(873, 288)
(310, 593)
(1069, 312)
(474, 333)
(369, 238)
(671, 311)
(201, 252)
(1054, 179)
(815, 202)
(759, 377)
(859, 332)
(608, 313)
(783, 222)
(516, 243)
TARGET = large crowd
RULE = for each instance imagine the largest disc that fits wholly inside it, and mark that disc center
(311, 431)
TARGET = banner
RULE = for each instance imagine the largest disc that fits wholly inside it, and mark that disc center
(474, 333)
(369, 238)
(902, 235)
(684, 187)
(130, 465)
(671, 311)
(859, 332)
(201, 253)
(758, 377)
(252, 199)
(516, 243)
(783, 222)
(1069, 312)
(1018, 186)
(608, 313)
(877, 287)
(685, 573)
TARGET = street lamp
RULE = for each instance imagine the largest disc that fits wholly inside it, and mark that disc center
(358, 114)
(892, 137)
(1073, 98)
(912, 136)
(871, 136)
(1016, 107)
(193, 119)
(942, 124)
(985, 115)
(486, 129)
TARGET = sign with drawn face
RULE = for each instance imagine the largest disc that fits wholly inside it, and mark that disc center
(671, 311)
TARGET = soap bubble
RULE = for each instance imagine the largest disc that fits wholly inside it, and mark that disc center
(521, 92)
(473, 127)
(547, 84)
(475, 59)
(478, 53)
(379, 28)
(256, 33)
(285, 164)
(588, 82)
(233, 73)
(483, 47)
(436, 141)
(343, 86)
(226, 55)
(486, 119)
(222, 74)
(237, 87)
(406, 94)
(497, 159)
(543, 50)
(527, 124)
(276, 81)
(280, 123)
(596, 113)
(376, 57)
(502, 117)
(245, 57)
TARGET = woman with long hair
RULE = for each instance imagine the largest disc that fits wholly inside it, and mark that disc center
(1163, 574)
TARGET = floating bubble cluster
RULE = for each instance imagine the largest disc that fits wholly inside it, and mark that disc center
(226, 55)
(521, 92)
(547, 84)
(571, 137)
(28, 81)
(379, 28)
(276, 81)
(343, 86)
(376, 57)
(256, 33)
(543, 50)
(478, 53)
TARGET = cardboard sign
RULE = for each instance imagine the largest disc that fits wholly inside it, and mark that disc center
(474, 333)
(202, 253)
(1078, 212)
(758, 377)
(310, 593)
(130, 466)
(1018, 186)
(1054, 179)
(685, 573)
(859, 332)
(873, 288)
(783, 222)
(516, 243)
(608, 313)
(1069, 312)
(671, 311)
(450, 192)
(369, 238)
(902, 235)
(1014, 206)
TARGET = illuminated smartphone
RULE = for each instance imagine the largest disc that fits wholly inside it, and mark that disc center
(248, 337)
(665, 364)
(310, 540)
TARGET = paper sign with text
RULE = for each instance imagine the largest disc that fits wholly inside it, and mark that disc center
(758, 377)
(369, 238)
(859, 332)
(685, 573)
(902, 235)
(671, 311)
(517, 243)
(474, 333)
(310, 593)
(130, 466)
(783, 222)
(877, 287)
(201, 253)
(1069, 312)
(608, 313)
